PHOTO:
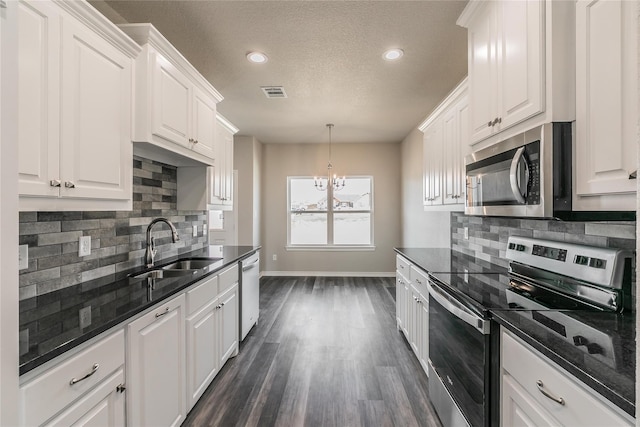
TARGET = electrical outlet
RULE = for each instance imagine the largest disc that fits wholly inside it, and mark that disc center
(466, 233)
(275, 257)
(84, 246)
(466, 275)
(195, 231)
(23, 257)
(85, 317)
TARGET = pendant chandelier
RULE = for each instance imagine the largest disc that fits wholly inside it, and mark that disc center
(333, 181)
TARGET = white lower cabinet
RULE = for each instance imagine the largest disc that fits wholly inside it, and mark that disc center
(412, 308)
(536, 392)
(229, 319)
(82, 388)
(202, 349)
(104, 406)
(156, 366)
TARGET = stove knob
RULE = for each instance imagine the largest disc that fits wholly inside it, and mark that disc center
(580, 340)
(594, 348)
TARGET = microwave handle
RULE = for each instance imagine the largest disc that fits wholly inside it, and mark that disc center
(513, 175)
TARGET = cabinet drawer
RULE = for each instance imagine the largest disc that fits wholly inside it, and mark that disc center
(582, 406)
(420, 281)
(403, 266)
(228, 278)
(50, 392)
(202, 294)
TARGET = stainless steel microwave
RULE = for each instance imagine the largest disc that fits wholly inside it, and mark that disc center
(526, 175)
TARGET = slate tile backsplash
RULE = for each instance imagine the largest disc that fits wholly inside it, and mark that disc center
(488, 235)
(117, 237)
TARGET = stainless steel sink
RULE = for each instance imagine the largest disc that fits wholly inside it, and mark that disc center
(162, 273)
(191, 264)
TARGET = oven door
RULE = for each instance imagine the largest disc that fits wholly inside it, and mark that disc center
(459, 356)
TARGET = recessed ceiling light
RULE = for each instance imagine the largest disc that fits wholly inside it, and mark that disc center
(393, 54)
(257, 57)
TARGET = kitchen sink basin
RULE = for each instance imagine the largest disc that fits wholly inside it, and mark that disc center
(162, 273)
(191, 264)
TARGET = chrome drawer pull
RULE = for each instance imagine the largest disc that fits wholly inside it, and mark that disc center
(166, 310)
(547, 394)
(93, 371)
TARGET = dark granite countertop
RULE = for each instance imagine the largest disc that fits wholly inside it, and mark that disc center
(53, 320)
(612, 373)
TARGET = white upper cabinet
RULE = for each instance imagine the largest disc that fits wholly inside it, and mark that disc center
(223, 170)
(76, 85)
(175, 106)
(446, 143)
(520, 66)
(606, 104)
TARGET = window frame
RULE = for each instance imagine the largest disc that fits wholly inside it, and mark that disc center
(330, 211)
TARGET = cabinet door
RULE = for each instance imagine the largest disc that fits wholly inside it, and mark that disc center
(518, 408)
(521, 64)
(229, 324)
(414, 320)
(202, 351)
(400, 301)
(204, 123)
(228, 183)
(172, 102)
(102, 406)
(464, 149)
(96, 148)
(38, 103)
(223, 170)
(156, 367)
(433, 164)
(423, 354)
(483, 85)
(606, 97)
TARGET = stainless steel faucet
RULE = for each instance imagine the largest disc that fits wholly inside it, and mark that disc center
(151, 250)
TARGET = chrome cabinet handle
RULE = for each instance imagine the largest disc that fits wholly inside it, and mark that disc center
(540, 385)
(55, 183)
(94, 369)
(69, 184)
(633, 175)
(166, 310)
(191, 140)
(121, 388)
(489, 124)
(195, 141)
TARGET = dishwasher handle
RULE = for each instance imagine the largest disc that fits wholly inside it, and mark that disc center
(456, 308)
(250, 266)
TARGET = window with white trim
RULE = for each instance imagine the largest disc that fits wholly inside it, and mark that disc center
(345, 222)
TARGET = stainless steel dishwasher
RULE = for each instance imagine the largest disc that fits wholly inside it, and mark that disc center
(249, 294)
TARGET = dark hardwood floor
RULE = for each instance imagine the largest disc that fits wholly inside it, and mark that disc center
(326, 352)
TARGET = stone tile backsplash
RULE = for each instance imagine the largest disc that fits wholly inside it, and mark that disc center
(117, 237)
(488, 235)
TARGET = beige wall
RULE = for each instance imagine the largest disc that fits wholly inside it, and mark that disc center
(247, 160)
(382, 161)
(419, 228)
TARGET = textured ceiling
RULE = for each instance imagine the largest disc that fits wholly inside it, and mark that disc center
(326, 54)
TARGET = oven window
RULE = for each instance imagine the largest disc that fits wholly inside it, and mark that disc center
(457, 352)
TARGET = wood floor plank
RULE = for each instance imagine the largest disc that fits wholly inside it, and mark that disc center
(326, 352)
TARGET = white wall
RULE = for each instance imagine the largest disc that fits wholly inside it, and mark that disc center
(8, 215)
(382, 161)
(429, 229)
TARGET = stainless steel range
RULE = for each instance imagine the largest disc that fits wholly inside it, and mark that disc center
(544, 276)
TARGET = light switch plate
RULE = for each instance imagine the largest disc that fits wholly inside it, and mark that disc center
(195, 231)
(466, 233)
(85, 317)
(84, 246)
(23, 257)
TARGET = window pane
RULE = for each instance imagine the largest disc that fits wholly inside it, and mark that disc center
(308, 229)
(356, 195)
(305, 197)
(352, 228)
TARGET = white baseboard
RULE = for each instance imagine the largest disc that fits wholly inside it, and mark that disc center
(327, 274)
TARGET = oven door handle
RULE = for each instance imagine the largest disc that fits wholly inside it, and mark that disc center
(458, 309)
(518, 158)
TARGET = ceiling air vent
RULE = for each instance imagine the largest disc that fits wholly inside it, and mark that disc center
(273, 91)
